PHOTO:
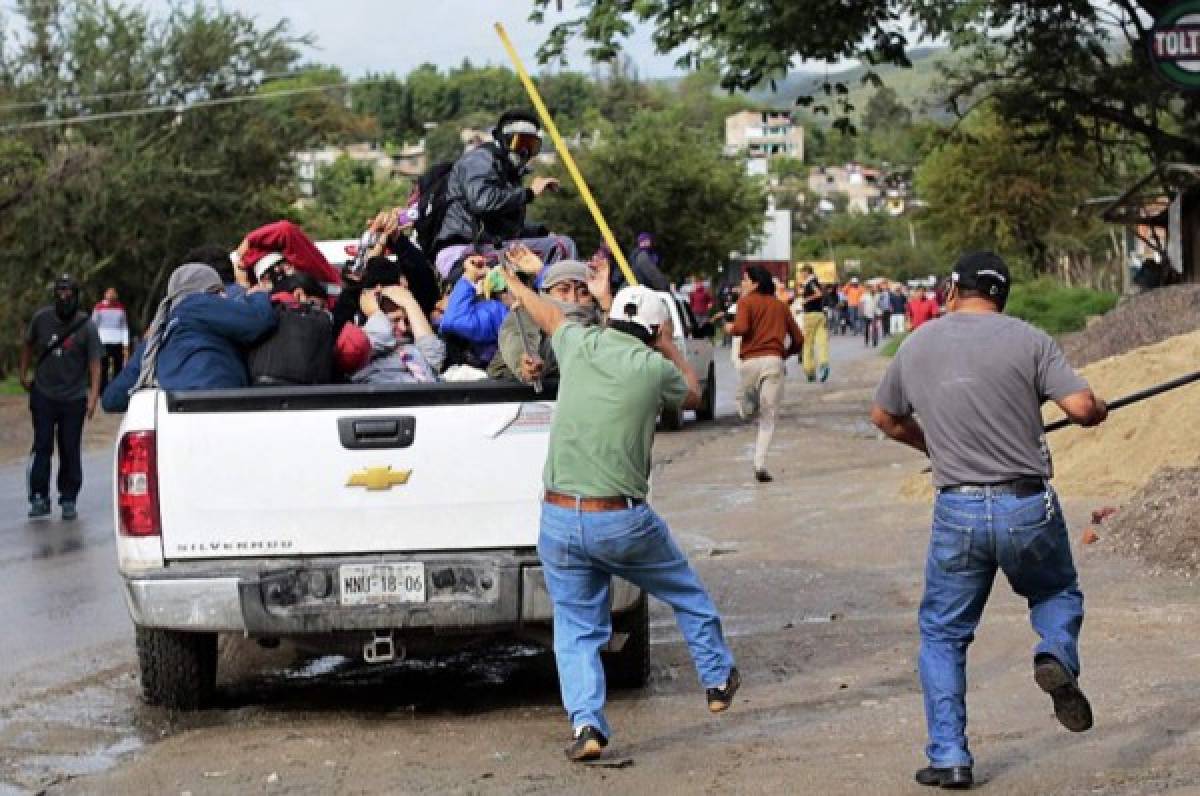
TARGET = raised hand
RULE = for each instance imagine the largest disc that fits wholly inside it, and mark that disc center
(523, 258)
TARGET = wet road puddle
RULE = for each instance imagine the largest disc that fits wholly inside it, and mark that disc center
(52, 736)
(59, 735)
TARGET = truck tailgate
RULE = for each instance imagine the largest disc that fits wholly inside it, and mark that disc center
(305, 476)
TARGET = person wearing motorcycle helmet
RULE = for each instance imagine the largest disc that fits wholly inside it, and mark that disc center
(486, 198)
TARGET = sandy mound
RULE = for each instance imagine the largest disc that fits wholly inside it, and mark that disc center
(1161, 523)
(1138, 321)
(1119, 457)
(1116, 459)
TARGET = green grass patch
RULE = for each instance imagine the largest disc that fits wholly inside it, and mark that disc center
(11, 386)
(893, 345)
(1057, 309)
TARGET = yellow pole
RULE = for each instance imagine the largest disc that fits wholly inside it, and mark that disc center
(561, 147)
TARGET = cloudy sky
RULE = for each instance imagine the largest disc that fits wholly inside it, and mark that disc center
(363, 36)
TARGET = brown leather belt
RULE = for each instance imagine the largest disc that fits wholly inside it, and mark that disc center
(591, 503)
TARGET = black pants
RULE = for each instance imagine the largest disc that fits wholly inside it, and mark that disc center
(111, 364)
(870, 331)
(61, 420)
(885, 325)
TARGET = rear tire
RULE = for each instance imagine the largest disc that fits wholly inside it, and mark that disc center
(630, 668)
(179, 669)
(708, 402)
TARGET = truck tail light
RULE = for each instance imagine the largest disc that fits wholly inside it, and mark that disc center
(137, 485)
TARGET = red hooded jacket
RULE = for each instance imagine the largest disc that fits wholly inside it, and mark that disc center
(290, 241)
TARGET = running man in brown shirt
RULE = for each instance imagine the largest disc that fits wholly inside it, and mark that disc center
(769, 336)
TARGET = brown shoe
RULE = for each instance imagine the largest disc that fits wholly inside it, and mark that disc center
(588, 744)
(721, 698)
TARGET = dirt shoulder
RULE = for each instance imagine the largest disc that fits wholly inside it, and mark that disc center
(818, 576)
(16, 429)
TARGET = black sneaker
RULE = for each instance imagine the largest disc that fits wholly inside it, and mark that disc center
(69, 511)
(953, 778)
(1071, 707)
(763, 477)
(721, 697)
(39, 508)
(588, 744)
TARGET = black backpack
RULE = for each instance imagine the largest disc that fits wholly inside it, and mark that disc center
(431, 207)
(299, 351)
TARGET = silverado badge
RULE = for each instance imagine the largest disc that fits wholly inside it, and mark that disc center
(379, 478)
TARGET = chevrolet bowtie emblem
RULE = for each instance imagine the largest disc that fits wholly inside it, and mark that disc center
(379, 478)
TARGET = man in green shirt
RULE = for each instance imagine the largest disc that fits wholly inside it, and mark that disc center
(595, 520)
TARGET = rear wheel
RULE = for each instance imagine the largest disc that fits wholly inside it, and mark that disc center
(630, 668)
(672, 419)
(708, 401)
(179, 669)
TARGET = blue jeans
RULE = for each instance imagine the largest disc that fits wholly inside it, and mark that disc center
(580, 553)
(973, 535)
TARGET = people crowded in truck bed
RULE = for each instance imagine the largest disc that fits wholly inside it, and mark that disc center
(275, 311)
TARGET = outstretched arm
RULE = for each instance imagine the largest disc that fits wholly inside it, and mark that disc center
(547, 316)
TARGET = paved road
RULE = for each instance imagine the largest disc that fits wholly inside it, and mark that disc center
(58, 584)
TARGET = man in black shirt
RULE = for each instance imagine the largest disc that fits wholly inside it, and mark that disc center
(816, 334)
(64, 389)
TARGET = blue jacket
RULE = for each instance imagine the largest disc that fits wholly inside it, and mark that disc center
(203, 347)
(475, 320)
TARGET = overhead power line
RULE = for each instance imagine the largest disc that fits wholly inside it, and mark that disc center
(133, 92)
(179, 109)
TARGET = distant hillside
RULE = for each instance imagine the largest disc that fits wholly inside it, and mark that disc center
(913, 86)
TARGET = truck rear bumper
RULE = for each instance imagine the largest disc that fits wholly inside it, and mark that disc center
(491, 591)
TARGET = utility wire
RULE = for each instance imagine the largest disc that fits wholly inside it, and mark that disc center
(180, 108)
(132, 92)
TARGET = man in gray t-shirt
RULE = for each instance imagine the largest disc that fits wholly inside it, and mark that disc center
(63, 348)
(977, 379)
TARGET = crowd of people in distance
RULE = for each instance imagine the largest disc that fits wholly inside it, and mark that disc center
(878, 309)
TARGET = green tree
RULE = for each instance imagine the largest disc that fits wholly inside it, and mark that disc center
(118, 200)
(984, 189)
(386, 99)
(662, 176)
(568, 96)
(348, 194)
(884, 111)
(1076, 71)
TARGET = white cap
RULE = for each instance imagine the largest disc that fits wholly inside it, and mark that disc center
(641, 305)
(520, 126)
(269, 259)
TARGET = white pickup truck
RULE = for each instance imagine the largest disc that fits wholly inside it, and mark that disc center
(359, 519)
(694, 338)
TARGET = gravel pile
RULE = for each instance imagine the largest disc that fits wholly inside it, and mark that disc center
(1137, 321)
(1161, 523)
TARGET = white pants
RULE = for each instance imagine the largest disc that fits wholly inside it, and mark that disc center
(761, 390)
(897, 323)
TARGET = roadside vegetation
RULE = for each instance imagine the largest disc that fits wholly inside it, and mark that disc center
(1057, 309)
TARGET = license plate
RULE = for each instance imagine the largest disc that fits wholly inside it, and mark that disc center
(373, 584)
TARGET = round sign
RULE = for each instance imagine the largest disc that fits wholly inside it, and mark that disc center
(1175, 44)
